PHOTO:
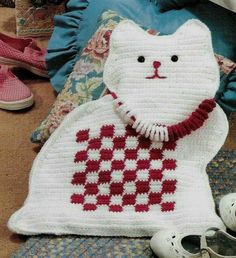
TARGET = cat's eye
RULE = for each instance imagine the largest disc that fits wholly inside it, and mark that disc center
(174, 58)
(141, 59)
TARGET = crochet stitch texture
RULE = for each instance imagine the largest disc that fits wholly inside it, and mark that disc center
(113, 167)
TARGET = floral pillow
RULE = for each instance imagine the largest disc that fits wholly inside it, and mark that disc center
(85, 83)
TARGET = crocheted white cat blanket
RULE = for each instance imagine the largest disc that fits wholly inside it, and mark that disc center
(134, 161)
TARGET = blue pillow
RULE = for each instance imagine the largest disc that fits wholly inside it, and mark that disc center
(226, 94)
(166, 5)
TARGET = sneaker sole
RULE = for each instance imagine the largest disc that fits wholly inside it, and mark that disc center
(17, 105)
(26, 66)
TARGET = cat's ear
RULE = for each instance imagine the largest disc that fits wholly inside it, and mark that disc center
(194, 29)
(124, 35)
(126, 32)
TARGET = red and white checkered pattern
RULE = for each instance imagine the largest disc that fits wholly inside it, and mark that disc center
(119, 169)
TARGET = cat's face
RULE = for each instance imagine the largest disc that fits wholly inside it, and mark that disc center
(157, 70)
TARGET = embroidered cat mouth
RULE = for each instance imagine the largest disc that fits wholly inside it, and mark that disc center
(156, 75)
(161, 132)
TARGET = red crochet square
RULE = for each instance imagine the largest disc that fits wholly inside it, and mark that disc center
(119, 142)
(107, 131)
(116, 188)
(131, 154)
(79, 178)
(91, 189)
(103, 200)
(81, 156)
(117, 165)
(77, 199)
(129, 175)
(94, 143)
(82, 135)
(129, 199)
(106, 154)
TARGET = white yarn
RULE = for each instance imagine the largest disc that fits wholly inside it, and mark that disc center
(149, 185)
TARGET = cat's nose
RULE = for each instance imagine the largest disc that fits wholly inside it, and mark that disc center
(156, 64)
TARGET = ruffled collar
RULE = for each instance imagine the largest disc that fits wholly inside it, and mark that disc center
(160, 132)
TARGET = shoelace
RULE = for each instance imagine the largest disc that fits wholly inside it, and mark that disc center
(158, 132)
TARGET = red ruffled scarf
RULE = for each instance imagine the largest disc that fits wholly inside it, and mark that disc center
(163, 132)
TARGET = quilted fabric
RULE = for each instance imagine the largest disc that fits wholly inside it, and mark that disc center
(85, 83)
(116, 166)
(34, 22)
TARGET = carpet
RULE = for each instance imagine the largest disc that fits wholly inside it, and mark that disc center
(222, 175)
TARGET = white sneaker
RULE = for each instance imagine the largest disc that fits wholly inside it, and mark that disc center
(213, 244)
(227, 209)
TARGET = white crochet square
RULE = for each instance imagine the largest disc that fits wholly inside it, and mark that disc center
(93, 154)
(104, 189)
(130, 164)
(129, 188)
(92, 177)
(143, 154)
(94, 133)
(80, 189)
(81, 166)
(143, 175)
(156, 164)
(117, 175)
(105, 165)
(118, 155)
(119, 131)
(168, 197)
(107, 143)
(91, 199)
(116, 200)
(131, 142)
(155, 186)
(142, 199)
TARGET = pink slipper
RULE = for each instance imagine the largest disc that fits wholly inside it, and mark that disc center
(14, 95)
(23, 53)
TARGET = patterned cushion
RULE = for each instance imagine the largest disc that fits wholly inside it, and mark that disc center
(85, 83)
(36, 21)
